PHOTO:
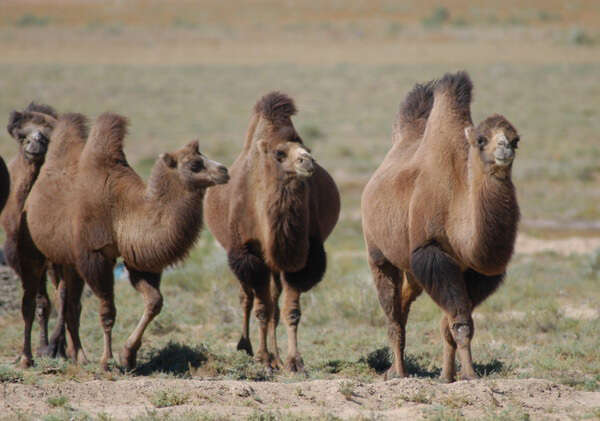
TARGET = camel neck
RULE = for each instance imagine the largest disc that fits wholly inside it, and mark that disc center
(27, 172)
(494, 215)
(160, 223)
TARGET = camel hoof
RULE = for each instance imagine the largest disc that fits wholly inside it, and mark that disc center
(46, 351)
(25, 362)
(245, 345)
(294, 364)
(127, 358)
(391, 373)
(277, 364)
(472, 376)
(446, 379)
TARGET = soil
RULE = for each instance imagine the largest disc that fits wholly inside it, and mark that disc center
(395, 399)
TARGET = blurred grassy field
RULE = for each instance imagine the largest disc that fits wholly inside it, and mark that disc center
(183, 70)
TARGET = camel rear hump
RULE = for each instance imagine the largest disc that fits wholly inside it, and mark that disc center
(414, 112)
(104, 146)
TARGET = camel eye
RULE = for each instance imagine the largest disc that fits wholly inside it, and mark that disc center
(280, 155)
(197, 166)
(515, 143)
(481, 141)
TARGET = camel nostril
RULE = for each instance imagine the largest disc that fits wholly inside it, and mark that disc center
(223, 169)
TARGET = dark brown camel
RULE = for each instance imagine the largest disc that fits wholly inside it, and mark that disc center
(440, 214)
(4, 184)
(101, 209)
(31, 128)
(272, 218)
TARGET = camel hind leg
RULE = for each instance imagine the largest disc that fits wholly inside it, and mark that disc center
(247, 302)
(443, 280)
(148, 284)
(396, 292)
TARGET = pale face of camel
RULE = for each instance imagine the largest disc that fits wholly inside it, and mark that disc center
(288, 159)
(195, 170)
(32, 133)
(496, 146)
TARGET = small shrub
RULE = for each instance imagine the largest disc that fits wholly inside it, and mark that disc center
(438, 17)
(29, 19)
(165, 399)
(346, 388)
(578, 36)
(418, 397)
(57, 401)
(440, 413)
(10, 375)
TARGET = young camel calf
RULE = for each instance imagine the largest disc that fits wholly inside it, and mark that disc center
(101, 210)
(440, 214)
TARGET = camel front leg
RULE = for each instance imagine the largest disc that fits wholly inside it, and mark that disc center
(32, 273)
(449, 365)
(56, 344)
(246, 301)
(43, 308)
(148, 284)
(274, 321)
(291, 313)
(263, 308)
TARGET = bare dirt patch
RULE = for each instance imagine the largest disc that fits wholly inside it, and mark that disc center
(395, 399)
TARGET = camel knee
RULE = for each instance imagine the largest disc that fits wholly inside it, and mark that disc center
(108, 315)
(154, 304)
(293, 317)
(42, 306)
(462, 332)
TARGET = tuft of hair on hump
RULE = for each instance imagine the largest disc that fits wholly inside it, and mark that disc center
(417, 104)
(275, 107)
(41, 108)
(71, 124)
(109, 130)
(457, 86)
(14, 120)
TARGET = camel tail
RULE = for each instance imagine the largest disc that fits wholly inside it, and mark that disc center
(414, 112)
(454, 90)
(105, 143)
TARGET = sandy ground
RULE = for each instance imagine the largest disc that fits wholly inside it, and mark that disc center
(394, 399)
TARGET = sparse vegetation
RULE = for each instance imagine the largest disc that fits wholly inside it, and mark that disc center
(165, 399)
(346, 388)
(57, 401)
(438, 17)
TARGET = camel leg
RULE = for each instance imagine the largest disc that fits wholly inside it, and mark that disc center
(246, 301)
(73, 285)
(56, 344)
(395, 294)
(274, 321)
(449, 366)
(43, 308)
(263, 308)
(148, 284)
(32, 274)
(291, 313)
(97, 271)
(441, 277)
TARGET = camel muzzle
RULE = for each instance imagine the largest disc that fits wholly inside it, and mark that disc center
(305, 165)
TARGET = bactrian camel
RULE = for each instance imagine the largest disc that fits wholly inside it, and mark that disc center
(272, 219)
(101, 210)
(440, 214)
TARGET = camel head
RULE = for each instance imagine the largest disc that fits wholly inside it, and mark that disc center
(194, 169)
(279, 147)
(496, 140)
(32, 128)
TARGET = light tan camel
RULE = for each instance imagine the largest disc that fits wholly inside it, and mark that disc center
(101, 209)
(272, 218)
(440, 214)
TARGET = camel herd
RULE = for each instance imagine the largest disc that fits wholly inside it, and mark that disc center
(439, 214)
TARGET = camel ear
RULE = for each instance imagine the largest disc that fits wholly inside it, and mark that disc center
(195, 145)
(471, 135)
(169, 160)
(13, 120)
(262, 145)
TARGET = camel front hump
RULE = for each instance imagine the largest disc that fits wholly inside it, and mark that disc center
(440, 214)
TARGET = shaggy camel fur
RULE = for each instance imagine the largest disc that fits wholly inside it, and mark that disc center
(32, 129)
(101, 210)
(272, 218)
(4, 184)
(441, 214)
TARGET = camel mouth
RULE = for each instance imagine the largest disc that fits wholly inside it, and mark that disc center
(222, 179)
(503, 162)
(304, 172)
